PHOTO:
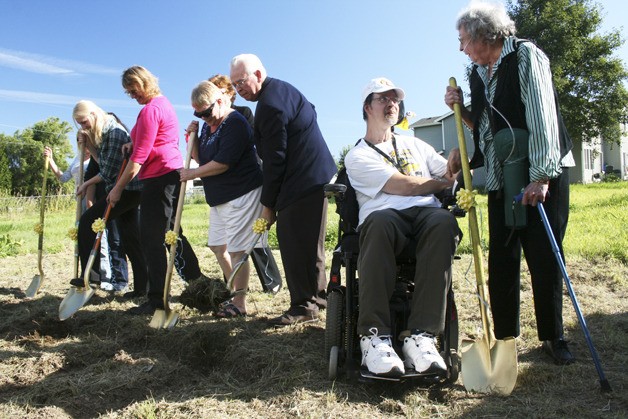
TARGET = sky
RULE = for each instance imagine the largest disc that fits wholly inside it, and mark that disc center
(55, 53)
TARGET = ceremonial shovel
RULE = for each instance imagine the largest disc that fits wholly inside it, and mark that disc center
(39, 279)
(489, 365)
(166, 318)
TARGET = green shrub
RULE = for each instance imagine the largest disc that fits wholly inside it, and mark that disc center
(9, 246)
(611, 177)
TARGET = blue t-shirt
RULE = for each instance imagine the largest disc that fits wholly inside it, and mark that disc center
(231, 144)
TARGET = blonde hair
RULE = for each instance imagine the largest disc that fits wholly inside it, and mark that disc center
(224, 83)
(86, 109)
(137, 77)
(205, 93)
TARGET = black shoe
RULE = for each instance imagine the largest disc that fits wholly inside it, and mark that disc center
(134, 294)
(143, 309)
(559, 351)
(80, 283)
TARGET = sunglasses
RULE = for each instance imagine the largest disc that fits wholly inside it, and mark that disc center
(206, 113)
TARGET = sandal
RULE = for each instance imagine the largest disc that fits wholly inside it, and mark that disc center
(229, 311)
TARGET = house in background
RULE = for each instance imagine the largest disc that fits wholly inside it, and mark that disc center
(615, 156)
(591, 159)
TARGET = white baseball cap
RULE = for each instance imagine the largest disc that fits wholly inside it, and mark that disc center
(381, 85)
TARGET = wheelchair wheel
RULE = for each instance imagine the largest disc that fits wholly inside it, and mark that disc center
(334, 322)
(333, 362)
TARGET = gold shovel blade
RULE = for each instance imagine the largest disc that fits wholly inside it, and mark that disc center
(164, 319)
(32, 289)
(73, 301)
(489, 370)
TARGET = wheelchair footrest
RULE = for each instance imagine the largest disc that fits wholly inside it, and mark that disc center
(364, 373)
(409, 374)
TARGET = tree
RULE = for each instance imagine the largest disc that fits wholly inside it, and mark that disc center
(589, 80)
(25, 155)
(5, 172)
(341, 158)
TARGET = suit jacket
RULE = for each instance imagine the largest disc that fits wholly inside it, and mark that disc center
(296, 159)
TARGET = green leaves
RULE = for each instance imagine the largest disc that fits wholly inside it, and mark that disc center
(24, 160)
(589, 80)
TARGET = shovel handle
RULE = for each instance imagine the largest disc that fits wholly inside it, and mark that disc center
(42, 204)
(177, 221)
(473, 222)
(42, 211)
(79, 207)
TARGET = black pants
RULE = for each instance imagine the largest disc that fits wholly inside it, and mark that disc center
(504, 263)
(300, 227)
(159, 200)
(126, 212)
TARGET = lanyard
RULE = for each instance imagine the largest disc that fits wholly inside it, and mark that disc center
(387, 157)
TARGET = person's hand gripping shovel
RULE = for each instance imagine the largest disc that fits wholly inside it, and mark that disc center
(489, 365)
(38, 280)
(166, 318)
(77, 297)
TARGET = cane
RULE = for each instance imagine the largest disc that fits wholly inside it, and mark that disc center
(606, 387)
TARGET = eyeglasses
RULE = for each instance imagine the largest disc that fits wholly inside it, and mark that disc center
(385, 100)
(132, 92)
(206, 113)
(465, 45)
(240, 82)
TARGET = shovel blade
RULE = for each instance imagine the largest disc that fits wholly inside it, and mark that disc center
(164, 319)
(489, 370)
(32, 289)
(73, 301)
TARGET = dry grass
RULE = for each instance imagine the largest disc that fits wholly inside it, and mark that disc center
(105, 363)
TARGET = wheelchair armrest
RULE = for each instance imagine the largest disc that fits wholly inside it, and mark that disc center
(334, 189)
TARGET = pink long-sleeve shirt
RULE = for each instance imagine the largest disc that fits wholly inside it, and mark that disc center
(156, 140)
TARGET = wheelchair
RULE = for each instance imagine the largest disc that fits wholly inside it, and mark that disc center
(342, 343)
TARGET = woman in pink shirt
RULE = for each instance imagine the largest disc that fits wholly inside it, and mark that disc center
(156, 159)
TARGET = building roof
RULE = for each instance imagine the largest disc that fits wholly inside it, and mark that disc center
(433, 120)
(424, 122)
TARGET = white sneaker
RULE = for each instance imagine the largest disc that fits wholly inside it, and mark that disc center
(379, 357)
(107, 286)
(421, 354)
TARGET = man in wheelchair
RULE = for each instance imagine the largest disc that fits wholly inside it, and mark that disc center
(395, 178)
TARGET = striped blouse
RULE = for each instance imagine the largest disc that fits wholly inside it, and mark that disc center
(537, 95)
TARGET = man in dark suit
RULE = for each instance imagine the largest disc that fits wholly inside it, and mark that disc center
(296, 165)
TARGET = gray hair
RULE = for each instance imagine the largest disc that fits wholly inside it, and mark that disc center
(250, 62)
(486, 21)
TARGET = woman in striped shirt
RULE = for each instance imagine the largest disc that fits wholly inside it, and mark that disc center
(514, 107)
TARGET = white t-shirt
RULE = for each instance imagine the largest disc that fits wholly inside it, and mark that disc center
(369, 171)
(72, 172)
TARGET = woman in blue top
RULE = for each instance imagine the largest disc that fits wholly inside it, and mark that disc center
(232, 181)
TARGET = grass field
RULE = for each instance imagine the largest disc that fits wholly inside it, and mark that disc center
(105, 363)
